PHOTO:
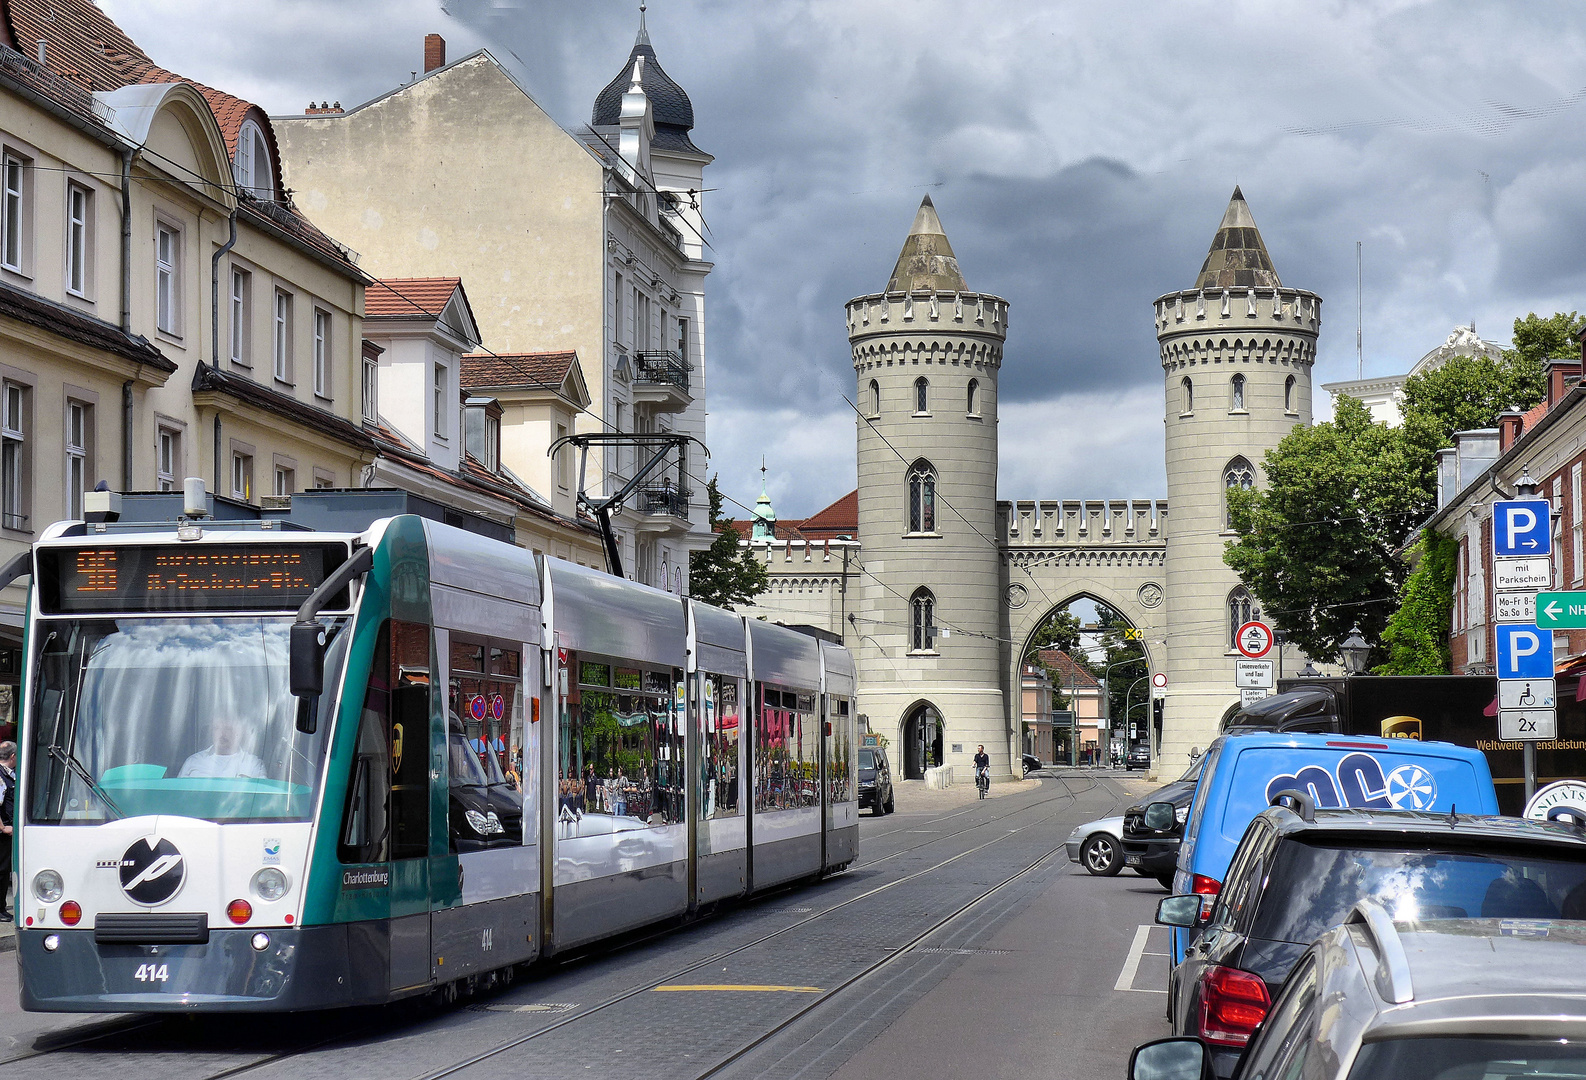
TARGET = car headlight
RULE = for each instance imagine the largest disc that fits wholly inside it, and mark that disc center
(269, 884)
(47, 886)
(493, 824)
(1181, 815)
(477, 822)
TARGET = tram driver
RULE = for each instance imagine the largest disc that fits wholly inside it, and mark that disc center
(224, 757)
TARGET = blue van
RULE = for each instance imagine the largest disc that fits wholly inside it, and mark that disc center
(1243, 772)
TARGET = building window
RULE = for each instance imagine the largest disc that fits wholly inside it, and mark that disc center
(974, 397)
(168, 458)
(682, 343)
(564, 460)
(616, 311)
(440, 400)
(322, 353)
(323, 481)
(922, 498)
(922, 396)
(283, 335)
(1288, 394)
(1577, 533)
(371, 388)
(241, 314)
(14, 220)
(1238, 475)
(167, 278)
(1238, 393)
(875, 398)
(923, 609)
(285, 480)
(252, 168)
(79, 206)
(13, 456)
(79, 421)
(1189, 396)
(1239, 608)
(241, 476)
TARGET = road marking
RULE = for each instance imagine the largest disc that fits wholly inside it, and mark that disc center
(757, 989)
(1131, 963)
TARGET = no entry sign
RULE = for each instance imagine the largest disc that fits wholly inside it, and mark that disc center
(1254, 640)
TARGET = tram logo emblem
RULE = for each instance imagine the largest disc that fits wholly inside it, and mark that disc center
(152, 871)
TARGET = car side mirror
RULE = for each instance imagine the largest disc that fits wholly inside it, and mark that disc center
(1159, 816)
(1182, 911)
(1171, 1059)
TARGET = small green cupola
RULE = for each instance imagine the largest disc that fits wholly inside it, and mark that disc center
(764, 513)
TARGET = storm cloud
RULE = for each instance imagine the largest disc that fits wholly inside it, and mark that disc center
(1080, 156)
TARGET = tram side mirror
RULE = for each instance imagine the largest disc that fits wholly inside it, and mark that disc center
(1159, 816)
(306, 671)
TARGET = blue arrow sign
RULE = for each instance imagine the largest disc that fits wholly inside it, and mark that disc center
(1520, 527)
(1524, 652)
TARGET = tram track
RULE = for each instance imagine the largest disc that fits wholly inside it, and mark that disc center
(384, 1022)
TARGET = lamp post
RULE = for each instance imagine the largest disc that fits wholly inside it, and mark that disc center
(1309, 672)
(1355, 651)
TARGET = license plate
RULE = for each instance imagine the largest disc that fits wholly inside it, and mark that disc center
(1131, 860)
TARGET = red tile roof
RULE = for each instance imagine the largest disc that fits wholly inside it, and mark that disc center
(1067, 672)
(408, 298)
(839, 519)
(81, 42)
(545, 369)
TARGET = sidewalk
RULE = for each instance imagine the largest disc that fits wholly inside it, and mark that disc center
(8, 937)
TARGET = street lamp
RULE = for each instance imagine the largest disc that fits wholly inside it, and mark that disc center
(1309, 672)
(1354, 650)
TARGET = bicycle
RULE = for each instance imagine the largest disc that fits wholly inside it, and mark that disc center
(983, 780)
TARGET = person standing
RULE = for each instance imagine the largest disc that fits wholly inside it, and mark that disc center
(8, 802)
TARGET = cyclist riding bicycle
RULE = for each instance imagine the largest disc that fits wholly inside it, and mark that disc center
(982, 770)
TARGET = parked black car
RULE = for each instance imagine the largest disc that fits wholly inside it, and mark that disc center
(875, 780)
(1299, 870)
(1153, 852)
(1139, 757)
(1031, 763)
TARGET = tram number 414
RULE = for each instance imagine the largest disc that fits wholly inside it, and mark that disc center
(152, 973)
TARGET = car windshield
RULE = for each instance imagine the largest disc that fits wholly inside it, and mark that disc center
(183, 716)
(867, 759)
(1313, 886)
(466, 768)
(1472, 1057)
(1194, 771)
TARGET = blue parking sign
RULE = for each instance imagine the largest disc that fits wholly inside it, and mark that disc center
(1521, 527)
(1524, 652)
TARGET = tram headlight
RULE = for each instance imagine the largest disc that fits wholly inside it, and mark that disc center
(269, 884)
(261, 942)
(52, 942)
(47, 886)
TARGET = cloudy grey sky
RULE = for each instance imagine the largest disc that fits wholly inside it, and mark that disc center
(1080, 155)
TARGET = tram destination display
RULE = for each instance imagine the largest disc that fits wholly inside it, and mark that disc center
(190, 577)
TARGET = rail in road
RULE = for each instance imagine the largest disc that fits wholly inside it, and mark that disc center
(710, 999)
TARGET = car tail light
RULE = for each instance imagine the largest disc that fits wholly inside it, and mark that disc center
(1233, 1002)
(1207, 889)
(239, 911)
(71, 913)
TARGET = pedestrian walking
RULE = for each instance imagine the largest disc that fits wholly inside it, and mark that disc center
(8, 802)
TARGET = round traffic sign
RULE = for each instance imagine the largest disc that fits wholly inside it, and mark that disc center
(1159, 680)
(1254, 640)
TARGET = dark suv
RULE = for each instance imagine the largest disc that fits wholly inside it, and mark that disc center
(875, 780)
(1299, 870)
(1150, 846)
(1139, 757)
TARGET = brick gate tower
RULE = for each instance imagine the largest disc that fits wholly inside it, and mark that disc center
(1237, 351)
(926, 355)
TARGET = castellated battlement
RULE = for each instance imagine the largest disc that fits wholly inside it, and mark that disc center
(1088, 523)
(1246, 325)
(906, 312)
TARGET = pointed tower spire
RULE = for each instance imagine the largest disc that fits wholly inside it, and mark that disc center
(644, 35)
(764, 514)
(927, 263)
(1238, 257)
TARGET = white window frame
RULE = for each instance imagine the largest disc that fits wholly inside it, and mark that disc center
(241, 315)
(285, 480)
(241, 475)
(1577, 528)
(79, 417)
(167, 278)
(167, 456)
(322, 352)
(79, 237)
(439, 383)
(13, 456)
(281, 342)
(371, 389)
(13, 217)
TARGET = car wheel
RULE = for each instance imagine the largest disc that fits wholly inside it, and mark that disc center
(891, 803)
(1101, 856)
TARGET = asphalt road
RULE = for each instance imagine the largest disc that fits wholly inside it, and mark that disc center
(961, 943)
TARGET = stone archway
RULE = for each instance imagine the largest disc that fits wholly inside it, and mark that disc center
(922, 740)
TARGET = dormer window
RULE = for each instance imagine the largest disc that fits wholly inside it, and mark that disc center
(482, 431)
(254, 171)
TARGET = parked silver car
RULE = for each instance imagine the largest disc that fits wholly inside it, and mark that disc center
(1098, 846)
(1441, 999)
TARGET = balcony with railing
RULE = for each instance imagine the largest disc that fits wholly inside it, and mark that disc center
(664, 501)
(660, 380)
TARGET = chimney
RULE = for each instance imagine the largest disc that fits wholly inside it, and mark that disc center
(434, 52)
(323, 109)
(43, 51)
(1562, 376)
(1511, 423)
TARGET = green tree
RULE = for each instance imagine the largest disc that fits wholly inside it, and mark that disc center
(1318, 546)
(725, 574)
(1416, 637)
(1554, 338)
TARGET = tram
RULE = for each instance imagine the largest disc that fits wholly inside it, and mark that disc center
(269, 768)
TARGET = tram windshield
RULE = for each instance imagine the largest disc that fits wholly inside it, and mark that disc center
(184, 716)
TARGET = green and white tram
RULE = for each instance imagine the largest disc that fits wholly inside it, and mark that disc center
(269, 768)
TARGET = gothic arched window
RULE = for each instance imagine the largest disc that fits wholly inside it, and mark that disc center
(1239, 613)
(922, 606)
(922, 396)
(1238, 475)
(1238, 393)
(1288, 394)
(875, 398)
(1189, 395)
(974, 397)
(922, 497)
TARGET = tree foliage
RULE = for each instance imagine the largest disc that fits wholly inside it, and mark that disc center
(1317, 547)
(725, 574)
(1416, 637)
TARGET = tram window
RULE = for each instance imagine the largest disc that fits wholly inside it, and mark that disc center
(719, 765)
(410, 730)
(467, 656)
(841, 780)
(787, 751)
(366, 826)
(621, 762)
